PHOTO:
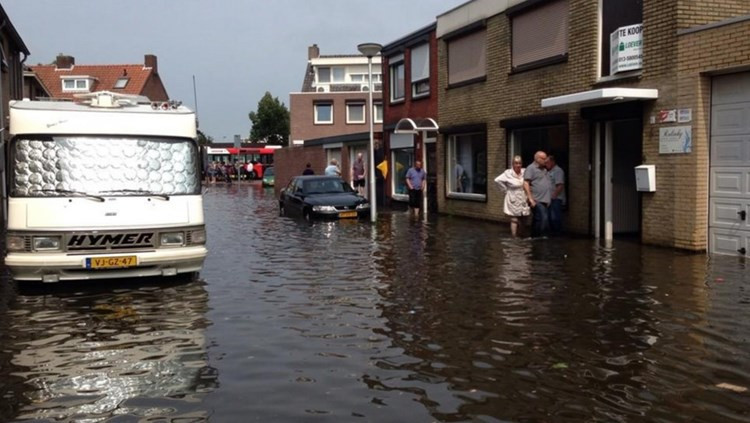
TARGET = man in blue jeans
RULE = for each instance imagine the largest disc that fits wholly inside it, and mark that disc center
(538, 187)
(557, 177)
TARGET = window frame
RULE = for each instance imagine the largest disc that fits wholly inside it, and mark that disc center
(449, 158)
(316, 120)
(317, 75)
(393, 66)
(124, 79)
(361, 104)
(86, 82)
(416, 83)
(375, 106)
(334, 70)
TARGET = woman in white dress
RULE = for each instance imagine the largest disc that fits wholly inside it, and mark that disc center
(516, 204)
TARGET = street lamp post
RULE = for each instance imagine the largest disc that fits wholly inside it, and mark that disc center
(370, 50)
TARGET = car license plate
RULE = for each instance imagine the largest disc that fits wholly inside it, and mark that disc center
(347, 214)
(111, 262)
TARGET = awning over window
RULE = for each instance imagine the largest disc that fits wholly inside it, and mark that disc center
(602, 96)
(413, 126)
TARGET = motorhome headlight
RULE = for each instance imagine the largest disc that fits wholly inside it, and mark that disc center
(46, 243)
(171, 239)
(198, 236)
(15, 243)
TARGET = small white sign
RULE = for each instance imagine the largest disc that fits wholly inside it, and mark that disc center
(667, 116)
(675, 140)
(684, 115)
(626, 48)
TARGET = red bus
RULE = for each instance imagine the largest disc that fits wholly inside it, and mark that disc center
(260, 156)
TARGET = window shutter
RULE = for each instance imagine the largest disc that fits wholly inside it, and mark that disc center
(540, 33)
(467, 57)
(420, 62)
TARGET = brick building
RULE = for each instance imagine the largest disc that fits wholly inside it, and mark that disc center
(64, 79)
(329, 117)
(410, 97)
(674, 92)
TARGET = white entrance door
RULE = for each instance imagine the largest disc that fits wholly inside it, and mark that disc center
(729, 231)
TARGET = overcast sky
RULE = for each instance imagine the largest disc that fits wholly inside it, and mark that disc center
(237, 49)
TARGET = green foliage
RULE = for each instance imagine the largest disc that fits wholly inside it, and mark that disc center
(204, 139)
(270, 121)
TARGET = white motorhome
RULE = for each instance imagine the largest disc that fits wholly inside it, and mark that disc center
(106, 187)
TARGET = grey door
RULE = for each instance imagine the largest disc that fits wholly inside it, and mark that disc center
(729, 204)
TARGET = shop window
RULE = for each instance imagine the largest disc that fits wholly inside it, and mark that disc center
(402, 159)
(467, 58)
(467, 166)
(323, 113)
(616, 14)
(420, 70)
(525, 142)
(355, 112)
(397, 77)
(540, 35)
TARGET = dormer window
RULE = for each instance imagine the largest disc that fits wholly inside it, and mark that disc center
(76, 84)
(121, 83)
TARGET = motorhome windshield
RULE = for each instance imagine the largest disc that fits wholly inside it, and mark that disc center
(100, 165)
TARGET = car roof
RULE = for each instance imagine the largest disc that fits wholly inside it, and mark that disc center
(315, 177)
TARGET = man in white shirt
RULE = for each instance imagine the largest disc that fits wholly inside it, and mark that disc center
(557, 177)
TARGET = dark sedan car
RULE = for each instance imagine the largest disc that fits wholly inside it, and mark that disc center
(322, 197)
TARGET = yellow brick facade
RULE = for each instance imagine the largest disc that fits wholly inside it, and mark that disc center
(676, 61)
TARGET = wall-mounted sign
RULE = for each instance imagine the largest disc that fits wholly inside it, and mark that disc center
(684, 115)
(675, 140)
(667, 116)
(626, 48)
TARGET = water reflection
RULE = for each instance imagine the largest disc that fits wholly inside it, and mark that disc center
(86, 354)
(445, 320)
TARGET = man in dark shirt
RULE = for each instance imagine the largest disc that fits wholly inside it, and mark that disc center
(308, 170)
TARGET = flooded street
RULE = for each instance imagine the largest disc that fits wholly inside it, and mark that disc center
(449, 320)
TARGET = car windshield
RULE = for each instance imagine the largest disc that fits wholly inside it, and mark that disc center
(268, 172)
(96, 165)
(325, 186)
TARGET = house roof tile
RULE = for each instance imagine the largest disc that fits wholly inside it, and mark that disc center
(104, 76)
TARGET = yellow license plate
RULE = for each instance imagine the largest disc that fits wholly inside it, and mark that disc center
(347, 214)
(111, 262)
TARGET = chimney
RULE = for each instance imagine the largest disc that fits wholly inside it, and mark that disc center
(313, 52)
(149, 61)
(64, 62)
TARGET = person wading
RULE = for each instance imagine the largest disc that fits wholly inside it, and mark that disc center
(538, 188)
(516, 204)
(416, 180)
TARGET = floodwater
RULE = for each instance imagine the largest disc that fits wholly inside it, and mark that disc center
(448, 320)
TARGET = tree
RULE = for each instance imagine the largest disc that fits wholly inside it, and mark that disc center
(270, 122)
(204, 139)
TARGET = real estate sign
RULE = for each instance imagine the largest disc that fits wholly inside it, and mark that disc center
(626, 48)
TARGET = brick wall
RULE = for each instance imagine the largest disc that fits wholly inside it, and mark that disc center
(700, 12)
(302, 118)
(154, 89)
(291, 161)
(507, 95)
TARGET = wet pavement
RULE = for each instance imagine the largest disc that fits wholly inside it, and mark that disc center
(448, 320)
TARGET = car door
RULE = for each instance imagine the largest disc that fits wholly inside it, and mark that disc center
(295, 198)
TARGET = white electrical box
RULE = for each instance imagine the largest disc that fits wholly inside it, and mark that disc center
(645, 178)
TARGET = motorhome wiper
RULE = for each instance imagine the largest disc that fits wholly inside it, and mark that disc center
(141, 191)
(70, 192)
